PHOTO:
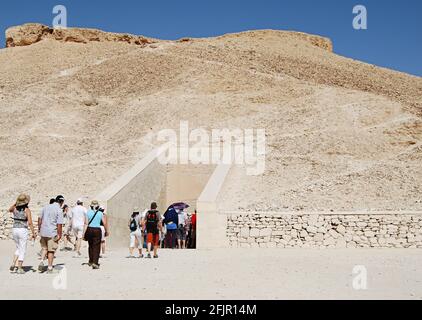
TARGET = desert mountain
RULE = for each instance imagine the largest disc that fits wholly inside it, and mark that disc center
(77, 104)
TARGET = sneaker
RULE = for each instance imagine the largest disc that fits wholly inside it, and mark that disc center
(41, 267)
(12, 268)
(51, 271)
(141, 256)
(149, 256)
(95, 266)
(156, 256)
(20, 271)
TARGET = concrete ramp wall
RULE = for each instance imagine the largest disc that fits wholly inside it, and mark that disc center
(212, 226)
(138, 187)
(149, 181)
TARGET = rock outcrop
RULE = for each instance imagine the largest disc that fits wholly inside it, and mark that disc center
(31, 33)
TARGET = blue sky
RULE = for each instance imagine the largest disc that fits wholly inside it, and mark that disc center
(393, 38)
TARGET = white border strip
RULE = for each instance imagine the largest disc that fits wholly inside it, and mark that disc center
(332, 213)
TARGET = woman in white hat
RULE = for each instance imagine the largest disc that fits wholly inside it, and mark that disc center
(136, 236)
(22, 219)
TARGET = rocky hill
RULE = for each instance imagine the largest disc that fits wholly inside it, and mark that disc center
(77, 104)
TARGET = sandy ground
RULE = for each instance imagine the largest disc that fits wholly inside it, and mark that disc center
(221, 274)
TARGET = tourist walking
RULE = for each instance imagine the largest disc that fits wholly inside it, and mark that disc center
(92, 233)
(163, 233)
(136, 236)
(51, 228)
(22, 219)
(78, 215)
(67, 227)
(171, 223)
(153, 226)
(193, 230)
(103, 237)
(181, 229)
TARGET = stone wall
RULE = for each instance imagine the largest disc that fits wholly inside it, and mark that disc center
(325, 230)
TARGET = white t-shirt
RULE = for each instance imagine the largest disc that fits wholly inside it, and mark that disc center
(182, 218)
(78, 216)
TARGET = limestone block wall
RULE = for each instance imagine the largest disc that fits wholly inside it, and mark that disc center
(392, 230)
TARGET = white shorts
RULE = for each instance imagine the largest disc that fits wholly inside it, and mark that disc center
(78, 231)
(102, 233)
(136, 235)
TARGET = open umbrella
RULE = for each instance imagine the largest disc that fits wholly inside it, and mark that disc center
(179, 205)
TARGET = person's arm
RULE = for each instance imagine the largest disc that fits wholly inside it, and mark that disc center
(28, 214)
(40, 220)
(60, 222)
(59, 231)
(105, 224)
(12, 208)
(159, 223)
(85, 224)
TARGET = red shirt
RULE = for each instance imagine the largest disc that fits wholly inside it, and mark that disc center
(193, 221)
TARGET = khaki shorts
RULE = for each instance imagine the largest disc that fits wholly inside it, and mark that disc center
(49, 244)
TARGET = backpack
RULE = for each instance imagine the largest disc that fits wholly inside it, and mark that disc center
(133, 225)
(152, 220)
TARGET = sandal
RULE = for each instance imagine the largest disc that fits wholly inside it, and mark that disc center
(20, 271)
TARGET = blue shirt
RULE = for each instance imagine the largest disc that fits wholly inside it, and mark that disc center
(96, 223)
(171, 219)
(51, 216)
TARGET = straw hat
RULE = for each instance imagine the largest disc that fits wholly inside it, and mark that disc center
(22, 200)
(94, 203)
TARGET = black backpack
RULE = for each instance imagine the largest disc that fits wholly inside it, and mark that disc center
(152, 220)
(133, 225)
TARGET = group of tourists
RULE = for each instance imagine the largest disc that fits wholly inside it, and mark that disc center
(175, 229)
(57, 223)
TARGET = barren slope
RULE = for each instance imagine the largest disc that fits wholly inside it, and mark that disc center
(341, 134)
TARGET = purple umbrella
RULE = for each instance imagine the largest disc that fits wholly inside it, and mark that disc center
(179, 205)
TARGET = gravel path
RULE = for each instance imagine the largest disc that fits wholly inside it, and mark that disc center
(221, 274)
